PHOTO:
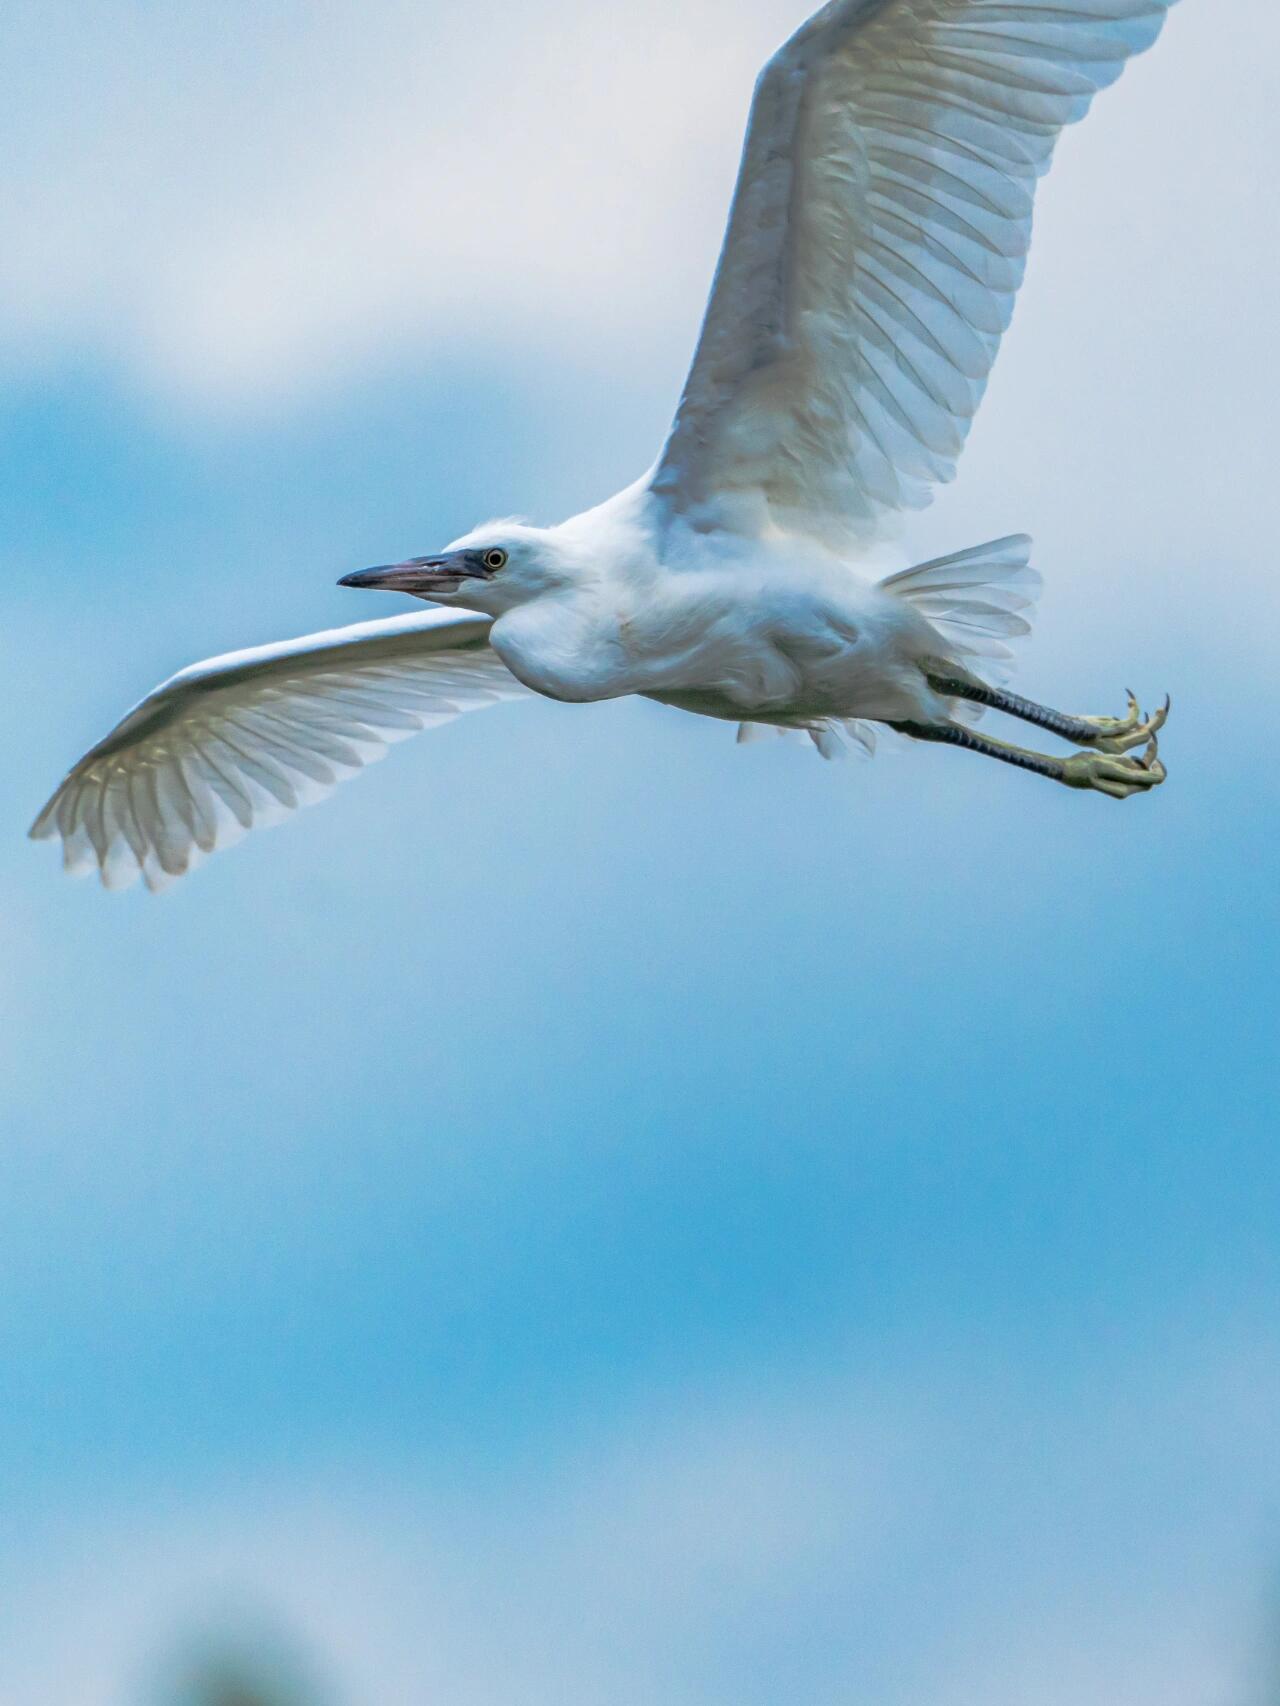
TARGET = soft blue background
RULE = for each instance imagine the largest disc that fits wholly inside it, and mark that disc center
(592, 1214)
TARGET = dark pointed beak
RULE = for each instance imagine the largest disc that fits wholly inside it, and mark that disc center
(419, 576)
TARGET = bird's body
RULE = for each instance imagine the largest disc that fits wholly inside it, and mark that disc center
(761, 630)
(877, 241)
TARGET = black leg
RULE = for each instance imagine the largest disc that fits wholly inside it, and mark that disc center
(1107, 773)
(1111, 734)
(955, 734)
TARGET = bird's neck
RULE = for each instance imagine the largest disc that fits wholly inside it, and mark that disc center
(562, 645)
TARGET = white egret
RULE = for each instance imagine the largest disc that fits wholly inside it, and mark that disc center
(877, 240)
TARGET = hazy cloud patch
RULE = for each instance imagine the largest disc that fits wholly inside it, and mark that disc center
(738, 1544)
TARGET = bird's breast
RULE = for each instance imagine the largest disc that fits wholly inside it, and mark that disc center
(762, 648)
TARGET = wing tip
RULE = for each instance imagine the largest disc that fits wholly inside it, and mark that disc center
(45, 827)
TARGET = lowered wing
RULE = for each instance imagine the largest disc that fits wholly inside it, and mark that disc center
(245, 740)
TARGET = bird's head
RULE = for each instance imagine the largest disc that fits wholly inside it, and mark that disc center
(492, 569)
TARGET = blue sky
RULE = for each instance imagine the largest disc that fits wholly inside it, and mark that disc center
(591, 1213)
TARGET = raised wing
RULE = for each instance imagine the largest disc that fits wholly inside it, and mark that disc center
(878, 237)
(244, 740)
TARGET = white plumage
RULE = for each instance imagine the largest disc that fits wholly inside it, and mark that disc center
(245, 740)
(877, 240)
(878, 237)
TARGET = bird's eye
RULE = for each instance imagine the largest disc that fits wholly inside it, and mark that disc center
(495, 560)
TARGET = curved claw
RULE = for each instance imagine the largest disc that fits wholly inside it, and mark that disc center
(1116, 728)
(1120, 735)
(1113, 775)
(1150, 760)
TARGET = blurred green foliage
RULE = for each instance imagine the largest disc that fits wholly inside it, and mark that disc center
(238, 1669)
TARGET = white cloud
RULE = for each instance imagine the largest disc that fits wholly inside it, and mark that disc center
(237, 206)
(257, 198)
(595, 1577)
(249, 200)
(944, 1543)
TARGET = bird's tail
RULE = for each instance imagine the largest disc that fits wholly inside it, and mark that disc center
(978, 600)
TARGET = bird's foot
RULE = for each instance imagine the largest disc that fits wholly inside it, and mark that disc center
(1110, 774)
(1121, 734)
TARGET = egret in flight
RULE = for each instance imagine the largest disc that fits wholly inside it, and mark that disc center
(877, 239)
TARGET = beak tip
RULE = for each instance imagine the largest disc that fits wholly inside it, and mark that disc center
(417, 577)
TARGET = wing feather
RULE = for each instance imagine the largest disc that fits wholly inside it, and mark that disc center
(878, 238)
(245, 740)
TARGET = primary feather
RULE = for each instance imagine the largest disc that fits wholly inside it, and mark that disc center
(244, 740)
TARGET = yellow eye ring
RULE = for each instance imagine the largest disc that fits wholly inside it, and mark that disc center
(495, 560)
